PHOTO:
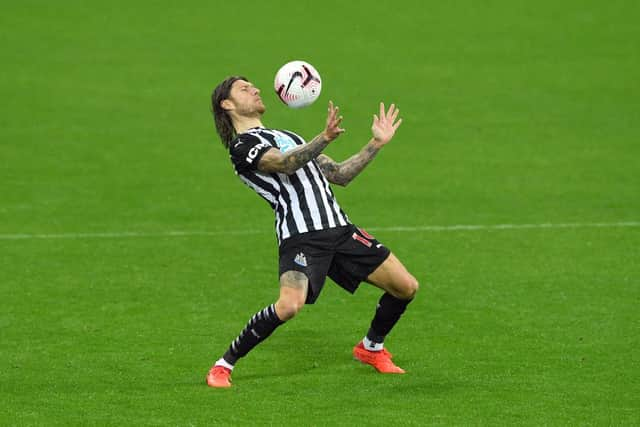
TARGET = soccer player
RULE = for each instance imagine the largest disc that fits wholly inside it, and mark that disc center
(316, 239)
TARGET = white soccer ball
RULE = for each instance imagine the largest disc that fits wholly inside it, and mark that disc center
(297, 84)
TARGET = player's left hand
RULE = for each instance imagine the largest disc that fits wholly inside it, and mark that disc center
(385, 126)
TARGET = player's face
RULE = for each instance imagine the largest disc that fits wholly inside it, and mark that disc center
(246, 98)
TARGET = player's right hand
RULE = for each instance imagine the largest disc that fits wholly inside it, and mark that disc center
(333, 129)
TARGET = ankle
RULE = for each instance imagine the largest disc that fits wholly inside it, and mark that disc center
(224, 363)
(371, 345)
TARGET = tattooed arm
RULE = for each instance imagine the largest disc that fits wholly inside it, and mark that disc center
(342, 173)
(383, 129)
(289, 162)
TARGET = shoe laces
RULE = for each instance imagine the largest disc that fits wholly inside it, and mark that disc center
(220, 370)
(386, 353)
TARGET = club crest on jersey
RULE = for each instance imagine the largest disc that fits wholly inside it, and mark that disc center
(301, 260)
(285, 143)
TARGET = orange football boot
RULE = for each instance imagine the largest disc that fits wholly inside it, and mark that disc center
(381, 360)
(219, 377)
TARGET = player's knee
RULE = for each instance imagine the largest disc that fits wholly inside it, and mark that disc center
(409, 287)
(287, 308)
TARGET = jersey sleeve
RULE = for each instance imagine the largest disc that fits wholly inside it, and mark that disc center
(247, 150)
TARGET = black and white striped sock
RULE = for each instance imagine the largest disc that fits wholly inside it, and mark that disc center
(260, 326)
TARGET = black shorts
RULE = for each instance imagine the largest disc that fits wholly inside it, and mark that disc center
(348, 255)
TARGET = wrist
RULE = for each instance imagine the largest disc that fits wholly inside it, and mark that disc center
(326, 138)
(377, 143)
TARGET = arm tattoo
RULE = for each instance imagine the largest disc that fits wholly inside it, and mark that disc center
(294, 279)
(344, 172)
(294, 159)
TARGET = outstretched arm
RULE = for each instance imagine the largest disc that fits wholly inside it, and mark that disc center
(289, 162)
(383, 130)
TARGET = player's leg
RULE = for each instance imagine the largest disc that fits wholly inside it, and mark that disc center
(394, 278)
(293, 293)
(294, 286)
(400, 287)
(361, 258)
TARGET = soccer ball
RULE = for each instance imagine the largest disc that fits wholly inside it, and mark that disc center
(297, 84)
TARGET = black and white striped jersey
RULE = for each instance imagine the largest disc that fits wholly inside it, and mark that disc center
(302, 201)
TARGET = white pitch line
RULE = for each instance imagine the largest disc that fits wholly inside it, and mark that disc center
(509, 226)
(436, 228)
(123, 234)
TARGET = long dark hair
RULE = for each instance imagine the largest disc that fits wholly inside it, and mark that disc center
(224, 125)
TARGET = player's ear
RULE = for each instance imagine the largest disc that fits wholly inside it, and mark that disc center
(226, 104)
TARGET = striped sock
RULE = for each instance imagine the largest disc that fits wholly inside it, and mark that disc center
(259, 327)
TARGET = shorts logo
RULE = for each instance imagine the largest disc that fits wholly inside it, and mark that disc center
(362, 240)
(365, 234)
(301, 260)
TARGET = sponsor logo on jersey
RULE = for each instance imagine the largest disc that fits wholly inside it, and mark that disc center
(285, 143)
(251, 156)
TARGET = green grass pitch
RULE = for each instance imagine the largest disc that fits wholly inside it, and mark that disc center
(514, 113)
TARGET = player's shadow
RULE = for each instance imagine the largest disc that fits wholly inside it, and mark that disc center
(295, 352)
(307, 353)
